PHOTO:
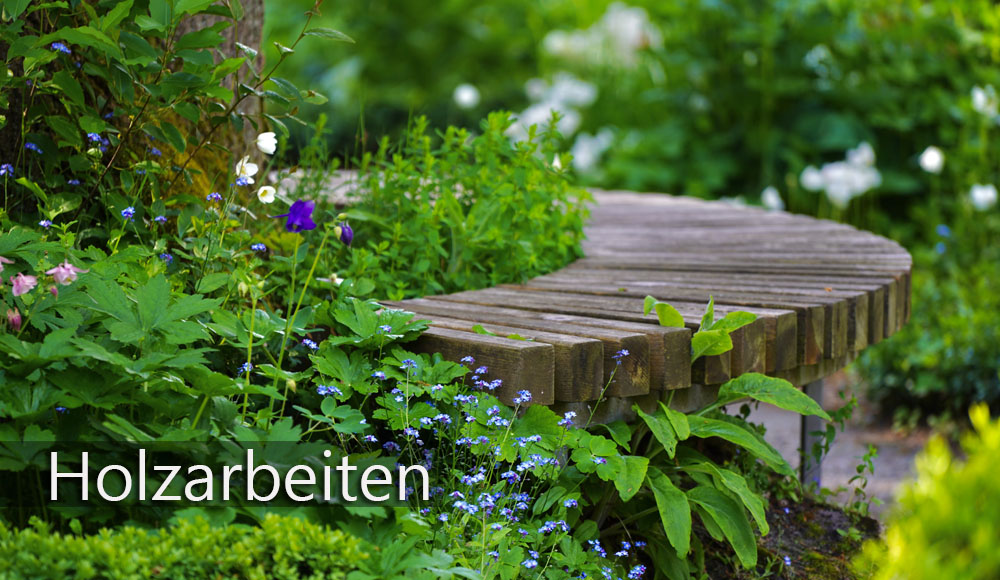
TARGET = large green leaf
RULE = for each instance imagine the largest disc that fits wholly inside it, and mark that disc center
(772, 390)
(661, 429)
(710, 343)
(730, 518)
(665, 313)
(736, 434)
(733, 321)
(630, 478)
(678, 421)
(732, 481)
(675, 513)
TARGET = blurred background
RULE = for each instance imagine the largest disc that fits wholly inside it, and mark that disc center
(879, 113)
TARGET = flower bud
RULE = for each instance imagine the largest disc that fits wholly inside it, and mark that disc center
(341, 217)
(290, 385)
(14, 319)
(346, 234)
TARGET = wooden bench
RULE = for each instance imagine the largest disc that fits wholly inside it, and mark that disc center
(822, 292)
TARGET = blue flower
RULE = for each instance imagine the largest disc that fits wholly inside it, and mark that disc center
(324, 390)
(637, 572)
(214, 196)
(570, 503)
(346, 234)
(468, 360)
(522, 397)
(73, 182)
(371, 438)
(311, 345)
(93, 137)
(160, 219)
(299, 216)
(245, 368)
(155, 152)
(788, 561)
(940, 247)
(379, 375)
(618, 356)
(45, 223)
(384, 329)
(6, 170)
(60, 47)
(530, 563)
(62, 410)
(245, 181)
(408, 364)
(32, 147)
(943, 231)
(258, 247)
(567, 419)
(600, 460)
(128, 213)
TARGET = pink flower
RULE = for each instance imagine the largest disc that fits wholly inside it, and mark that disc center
(4, 261)
(23, 284)
(14, 319)
(65, 273)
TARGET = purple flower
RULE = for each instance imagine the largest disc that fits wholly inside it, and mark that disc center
(408, 363)
(45, 223)
(311, 345)
(6, 170)
(346, 234)
(384, 329)
(160, 219)
(128, 213)
(93, 137)
(155, 152)
(258, 247)
(62, 410)
(618, 356)
(379, 375)
(60, 47)
(468, 360)
(299, 216)
(73, 182)
(32, 147)
(215, 196)
(166, 258)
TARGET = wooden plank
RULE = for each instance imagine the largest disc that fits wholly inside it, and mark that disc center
(669, 347)
(633, 377)
(579, 362)
(521, 365)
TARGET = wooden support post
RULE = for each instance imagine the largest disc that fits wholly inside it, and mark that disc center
(809, 467)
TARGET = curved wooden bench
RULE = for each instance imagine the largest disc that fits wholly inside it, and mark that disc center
(822, 292)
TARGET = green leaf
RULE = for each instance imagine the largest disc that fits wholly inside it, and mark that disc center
(250, 52)
(733, 321)
(173, 136)
(661, 429)
(282, 49)
(730, 518)
(668, 315)
(65, 129)
(212, 282)
(115, 16)
(329, 33)
(709, 343)
(65, 82)
(15, 8)
(204, 38)
(31, 185)
(647, 305)
(620, 432)
(772, 390)
(478, 329)
(709, 318)
(738, 435)
(630, 478)
(732, 481)
(678, 421)
(675, 513)
(192, 6)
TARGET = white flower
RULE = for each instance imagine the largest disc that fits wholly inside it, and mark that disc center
(587, 149)
(333, 279)
(771, 198)
(812, 179)
(267, 142)
(984, 100)
(466, 96)
(245, 171)
(983, 197)
(932, 160)
(266, 194)
(556, 163)
(862, 155)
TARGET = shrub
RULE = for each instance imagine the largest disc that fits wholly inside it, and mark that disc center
(945, 525)
(282, 547)
(463, 212)
(948, 355)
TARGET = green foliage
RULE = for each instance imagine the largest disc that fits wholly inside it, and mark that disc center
(947, 357)
(943, 525)
(462, 212)
(282, 547)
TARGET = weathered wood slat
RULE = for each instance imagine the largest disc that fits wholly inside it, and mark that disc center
(521, 365)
